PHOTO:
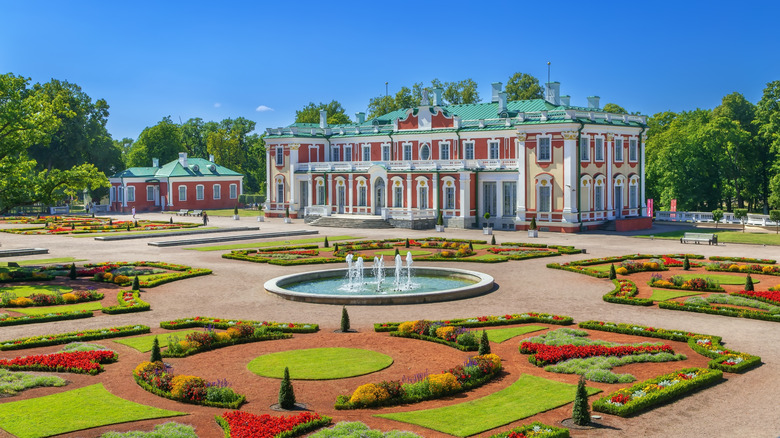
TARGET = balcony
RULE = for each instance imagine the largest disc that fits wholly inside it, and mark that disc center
(403, 166)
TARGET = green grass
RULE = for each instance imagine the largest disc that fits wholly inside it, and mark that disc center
(26, 291)
(502, 334)
(83, 408)
(228, 212)
(45, 261)
(724, 236)
(663, 295)
(488, 257)
(320, 363)
(601, 268)
(306, 241)
(528, 396)
(144, 343)
(720, 278)
(403, 251)
(126, 233)
(45, 310)
(12, 382)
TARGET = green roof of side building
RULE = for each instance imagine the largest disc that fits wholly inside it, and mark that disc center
(196, 167)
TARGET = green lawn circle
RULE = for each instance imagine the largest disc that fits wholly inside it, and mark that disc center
(320, 363)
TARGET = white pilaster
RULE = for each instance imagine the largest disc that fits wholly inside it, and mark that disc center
(465, 196)
(291, 174)
(330, 191)
(521, 176)
(409, 190)
(570, 183)
(436, 192)
(609, 190)
(350, 192)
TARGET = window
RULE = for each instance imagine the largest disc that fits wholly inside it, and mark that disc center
(632, 150)
(217, 191)
(348, 153)
(366, 152)
(279, 190)
(422, 198)
(385, 152)
(182, 193)
(398, 196)
(320, 193)
(425, 152)
(544, 153)
(130, 194)
(489, 198)
(407, 152)
(444, 151)
(199, 194)
(584, 148)
(633, 196)
(449, 198)
(112, 194)
(280, 155)
(598, 197)
(334, 154)
(469, 150)
(493, 150)
(510, 198)
(120, 192)
(599, 149)
(233, 191)
(362, 196)
(543, 204)
(150, 193)
(619, 150)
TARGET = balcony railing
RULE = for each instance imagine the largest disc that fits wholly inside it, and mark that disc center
(400, 166)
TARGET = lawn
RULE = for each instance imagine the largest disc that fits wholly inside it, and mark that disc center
(502, 334)
(45, 310)
(720, 278)
(528, 396)
(307, 241)
(391, 252)
(26, 291)
(45, 261)
(12, 382)
(83, 408)
(320, 363)
(228, 212)
(126, 233)
(663, 295)
(724, 236)
(144, 343)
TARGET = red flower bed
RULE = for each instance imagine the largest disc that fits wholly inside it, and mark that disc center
(773, 296)
(246, 425)
(86, 362)
(550, 354)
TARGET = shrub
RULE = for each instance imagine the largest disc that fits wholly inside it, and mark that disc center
(120, 279)
(444, 383)
(69, 298)
(344, 319)
(286, 393)
(748, 283)
(136, 285)
(581, 411)
(622, 271)
(72, 273)
(369, 394)
(484, 344)
(188, 388)
(686, 264)
(156, 355)
(468, 340)
(612, 274)
(241, 331)
(217, 394)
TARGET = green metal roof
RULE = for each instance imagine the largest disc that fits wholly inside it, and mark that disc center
(174, 169)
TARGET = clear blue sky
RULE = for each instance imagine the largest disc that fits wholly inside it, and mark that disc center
(265, 59)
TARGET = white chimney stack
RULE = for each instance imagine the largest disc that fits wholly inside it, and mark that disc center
(566, 100)
(437, 99)
(496, 89)
(554, 93)
(211, 157)
(361, 117)
(323, 119)
(593, 102)
(155, 162)
(183, 158)
(501, 102)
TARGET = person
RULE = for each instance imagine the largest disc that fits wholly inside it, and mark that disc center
(133, 212)
(205, 219)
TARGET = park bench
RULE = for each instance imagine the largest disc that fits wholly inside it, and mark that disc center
(710, 238)
(196, 213)
(182, 212)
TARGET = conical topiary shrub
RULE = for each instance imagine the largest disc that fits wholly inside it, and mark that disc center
(286, 394)
(344, 320)
(171, 221)
(686, 264)
(406, 245)
(156, 355)
(72, 273)
(493, 240)
(471, 247)
(581, 411)
(748, 283)
(484, 344)
(612, 273)
(325, 244)
(397, 253)
(136, 283)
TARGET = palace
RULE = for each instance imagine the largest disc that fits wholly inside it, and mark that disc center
(571, 168)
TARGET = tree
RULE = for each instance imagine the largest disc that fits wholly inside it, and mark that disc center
(162, 141)
(336, 115)
(717, 215)
(741, 214)
(767, 125)
(612, 272)
(286, 393)
(581, 411)
(686, 264)
(614, 108)
(749, 283)
(136, 283)
(72, 273)
(774, 216)
(344, 320)
(459, 92)
(484, 344)
(522, 86)
(156, 354)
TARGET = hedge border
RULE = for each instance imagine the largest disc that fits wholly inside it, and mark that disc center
(165, 394)
(555, 432)
(32, 319)
(64, 338)
(517, 318)
(272, 335)
(722, 311)
(123, 307)
(611, 297)
(296, 431)
(226, 323)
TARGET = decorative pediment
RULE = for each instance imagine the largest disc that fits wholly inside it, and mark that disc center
(425, 118)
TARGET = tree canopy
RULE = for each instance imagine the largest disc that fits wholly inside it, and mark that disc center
(522, 86)
(311, 113)
(453, 93)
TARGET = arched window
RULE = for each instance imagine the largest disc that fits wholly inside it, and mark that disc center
(598, 193)
(279, 183)
(321, 193)
(544, 191)
(586, 187)
(398, 193)
(425, 152)
(448, 192)
(633, 192)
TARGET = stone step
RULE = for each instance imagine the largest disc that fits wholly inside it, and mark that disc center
(175, 233)
(18, 252)
(219, 239)
(345, 222)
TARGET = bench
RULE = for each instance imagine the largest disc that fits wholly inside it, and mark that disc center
(196, 213)
(182, 212)
(711, 239)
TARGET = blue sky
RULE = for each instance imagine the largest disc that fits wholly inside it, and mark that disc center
(264, 60)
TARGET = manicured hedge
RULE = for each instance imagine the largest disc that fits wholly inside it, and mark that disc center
(78, 336)
(633, 404)
(138, 305)
(624, 293)
(268, 336)
(157, 391)
(489, 321)
(723, 311)
(742, 259)
(32, 319)
(536, 430)
(223, 323)
(413, 335)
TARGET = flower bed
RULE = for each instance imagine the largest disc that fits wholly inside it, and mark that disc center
(677, 282)
(22, 274)
(223, 323)
(750, 268)
(199, 342)
(51, 299)
(129, 301)
(541, 354)
(704, 307)
(159, 379)
(625, 293)
(183, 272)
(579, 266)
(64, 338)
(655, 391)
(89, 225)
(239, 424)
(771, 297)
(475, 372)
(712, 349)
(742, 259)
(32, 319)
(488, 321)
(84, 362)
(534, 430)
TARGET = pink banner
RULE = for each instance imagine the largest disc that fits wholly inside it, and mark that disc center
(650, 207)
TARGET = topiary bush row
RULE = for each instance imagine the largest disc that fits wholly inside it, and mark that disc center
(625, 292)
(78, 336)
(489, 321)
(32, 319)
(129, 302)
(223, 323)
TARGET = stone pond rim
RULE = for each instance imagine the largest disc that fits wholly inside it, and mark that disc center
(482, 284)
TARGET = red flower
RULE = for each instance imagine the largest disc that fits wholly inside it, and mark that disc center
(246, 425)
(73, 362)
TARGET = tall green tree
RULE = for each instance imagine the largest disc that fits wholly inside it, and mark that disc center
(767, 125)
(522, 86)
(614, 108)
(311, 113)
(162, 141)
(458, 92)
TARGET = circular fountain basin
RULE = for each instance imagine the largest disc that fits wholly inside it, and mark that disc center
(436, 284)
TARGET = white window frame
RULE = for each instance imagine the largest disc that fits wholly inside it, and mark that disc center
(280, 190)
(633, 150)
(444, 150)
(279, 156)
(112, 194)
(386, 152)
(366, 151)
(544, 144)
(494, 150)
(599, 190)
(468, 150)
(120, 194)
(585, 148)
(407, 150)
(216, 191)
(233, 191)
(540, 196)
(182, 189)
(598, 153)
(362, 196)
(335, 153)
(509, 192)
(130, 193)
(633, 194)
(320, 191)
(200, 192)
(348, 152)
(149, 193)
(398, 196)
(449, 198)
(618, 150)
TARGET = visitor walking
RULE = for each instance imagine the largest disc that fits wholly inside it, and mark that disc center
(205, 219)
(133, 210)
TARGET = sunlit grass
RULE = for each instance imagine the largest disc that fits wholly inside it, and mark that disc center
(320, 363)
(45, 310)
(293, 242)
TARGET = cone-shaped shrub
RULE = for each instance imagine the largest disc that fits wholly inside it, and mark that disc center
(581, 411)
(171, 221)
(484, 344)
(286, 394)
(493, 240)
(156, 355)
(396, 253)
(686, 264)
(136, 283)
(72, 273)
(344, 319)
(406, 245)
(748, 283)
(325, 244)
(128, 227)
(471, 247)
(335, 248)
(612, 273)
(72, 226)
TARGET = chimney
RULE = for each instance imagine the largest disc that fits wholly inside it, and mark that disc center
(593, 102)
(566, 100)
(211, 157)
(323, 119)
(155, 162)
(183, 158)
(437, 100)
(361, 117)
(496, 89)
(501, 102)
(554, 93)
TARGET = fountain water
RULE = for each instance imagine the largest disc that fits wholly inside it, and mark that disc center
(355, 281)
(379, 271)
(354, 274)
